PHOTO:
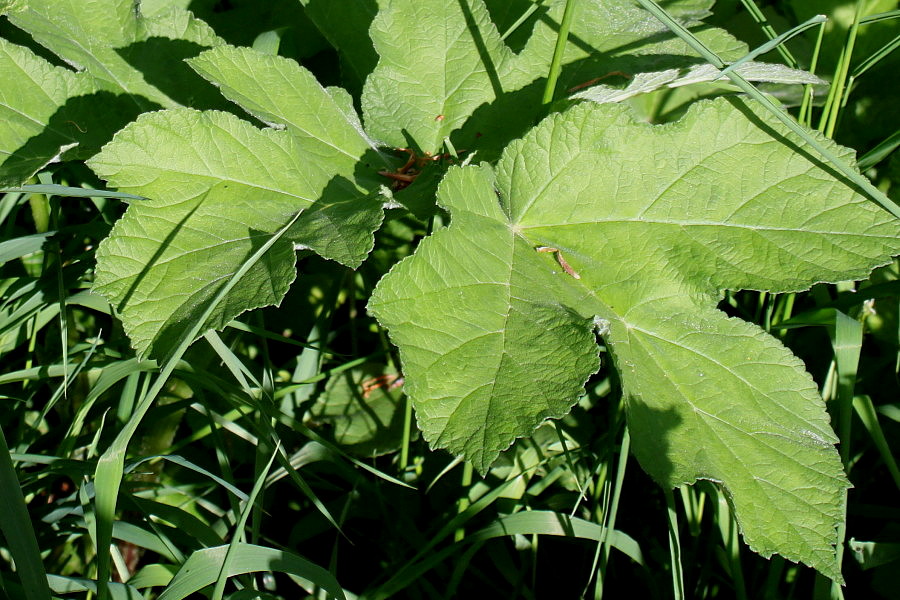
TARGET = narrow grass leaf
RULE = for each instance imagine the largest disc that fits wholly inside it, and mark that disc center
(69, 585)
(880, 152)
(15, 524)
(187, 464)
(773, 43)
(675, 563)
(866, 412)
(23, 246)
(110, 467)
(241, 373)
(180, 518)
(548, 522)
(204, 566)
(66, 191)
(154, 575)
(238, 533)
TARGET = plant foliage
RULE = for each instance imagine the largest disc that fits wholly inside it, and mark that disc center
(579, 234)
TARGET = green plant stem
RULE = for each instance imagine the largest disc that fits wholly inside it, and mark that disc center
(728, 529)
(556, 64)
(463, 503)
(613, 511)
(407, 432)
(804, 113)
(763, 23)
(674, 546)
(846, 169)
(836, 96)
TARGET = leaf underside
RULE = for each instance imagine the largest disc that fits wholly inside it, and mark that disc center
(445, 71)
(126, 64)
(593, 223)
(595, 218)
(218, 186)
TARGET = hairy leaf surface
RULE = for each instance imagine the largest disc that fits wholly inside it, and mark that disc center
(218, 186)
(121, 50)
(444, 70)
(594, 220)
(434, 74)
(33, 91)
(126, 64)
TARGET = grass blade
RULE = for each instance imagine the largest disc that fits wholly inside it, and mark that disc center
(203, 567)
(227, 561)
(768, 46)
(674, 547)
(70, 192)
(880, 152)
(843, 167)
(110, 468)
(869, 417)
(15, 523)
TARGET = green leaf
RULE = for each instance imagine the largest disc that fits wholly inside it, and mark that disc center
(33, 91)
(120, 49)
(363, 405)
(282, 94)
(438, 62)
(494, 315)
(126, 63)
(345, 24)
(219, 187)
(496, 337)
(202, 568)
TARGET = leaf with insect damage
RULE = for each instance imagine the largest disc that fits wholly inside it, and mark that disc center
(594, 219)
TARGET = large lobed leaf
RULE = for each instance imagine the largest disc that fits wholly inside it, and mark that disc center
(126, 64)
(218, 186)
(32, 93)
(444, 70)
(122, 50)
(648, 224)
(438, 62)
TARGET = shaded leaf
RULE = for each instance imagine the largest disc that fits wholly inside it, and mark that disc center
(345, 24)
(365, 407)
(203, 567)
(120, 49)
(438, 62)
(32, 93)
(127, 64)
